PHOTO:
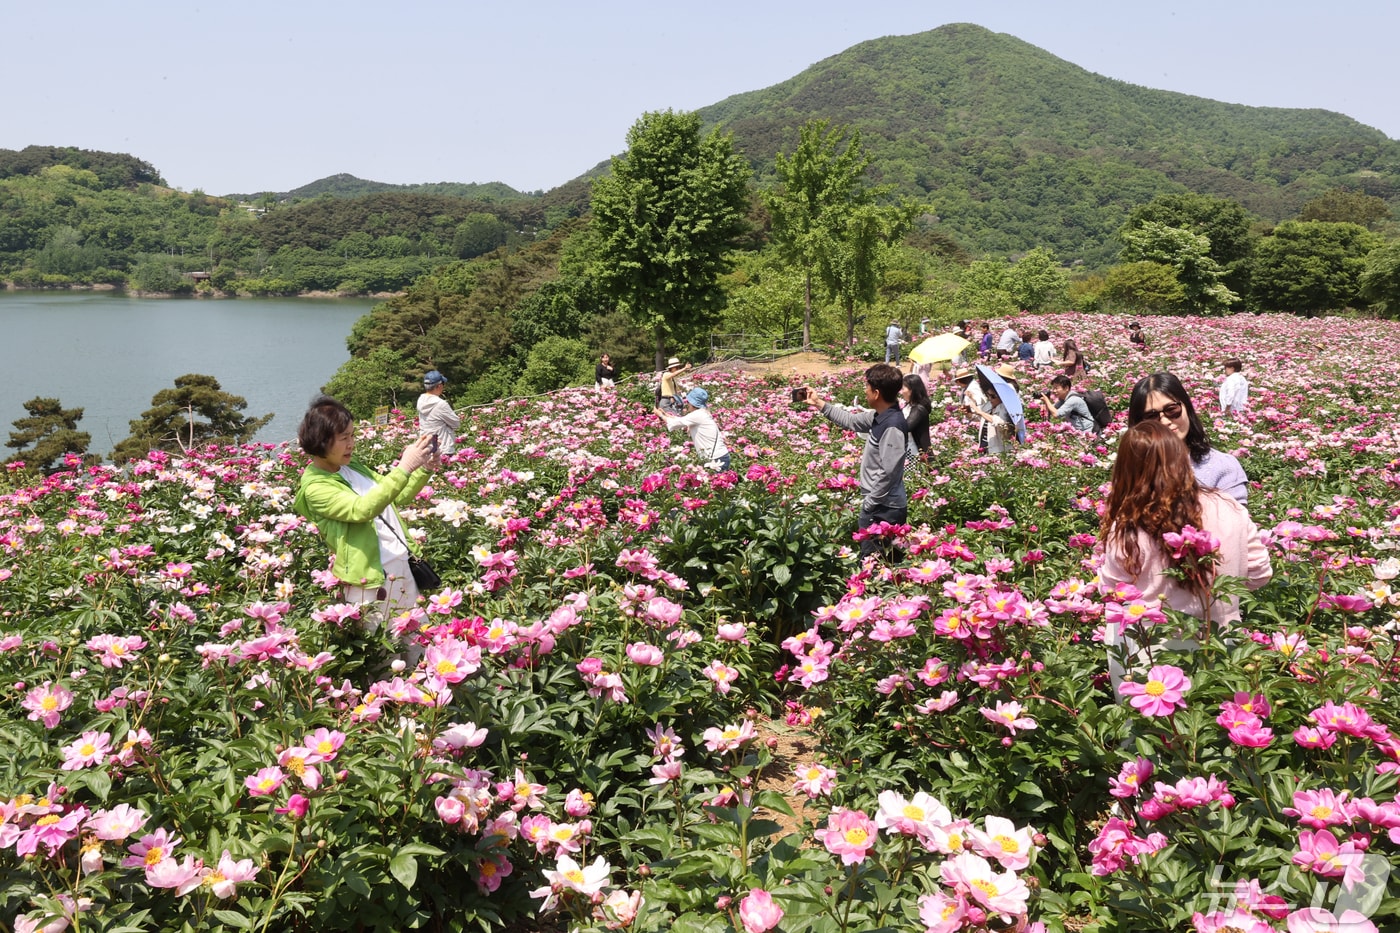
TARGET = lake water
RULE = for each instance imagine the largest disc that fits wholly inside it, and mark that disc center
(108, 354)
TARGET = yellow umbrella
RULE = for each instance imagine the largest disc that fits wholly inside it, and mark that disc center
(938, 348)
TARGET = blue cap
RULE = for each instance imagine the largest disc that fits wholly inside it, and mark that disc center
(433, 378)
(697, 397)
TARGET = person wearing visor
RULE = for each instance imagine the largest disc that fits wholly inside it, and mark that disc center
(435, 415)
(1162, 397)
(705, 435)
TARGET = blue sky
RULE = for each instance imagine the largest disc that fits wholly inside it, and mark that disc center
(255, 95)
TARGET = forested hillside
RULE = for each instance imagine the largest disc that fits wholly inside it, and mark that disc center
(1015, 148)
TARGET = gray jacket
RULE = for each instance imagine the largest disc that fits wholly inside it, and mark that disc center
(882, 461)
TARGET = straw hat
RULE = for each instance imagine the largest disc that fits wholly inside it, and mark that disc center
(1007, 371)
(963, 374)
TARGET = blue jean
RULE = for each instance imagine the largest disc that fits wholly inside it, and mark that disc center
(892, 350)
(873, 516)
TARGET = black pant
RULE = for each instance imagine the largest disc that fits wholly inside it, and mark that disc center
(873, 516)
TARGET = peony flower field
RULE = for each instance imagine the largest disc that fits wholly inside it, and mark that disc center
(658, 698)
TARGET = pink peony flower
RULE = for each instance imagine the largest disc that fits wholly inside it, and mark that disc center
(759, 912)
(849, 834)
(1160, 694)
(46, 703)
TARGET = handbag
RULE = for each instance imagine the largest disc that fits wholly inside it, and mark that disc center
(424, 576)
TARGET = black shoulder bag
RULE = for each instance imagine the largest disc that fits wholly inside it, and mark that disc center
(423, 573)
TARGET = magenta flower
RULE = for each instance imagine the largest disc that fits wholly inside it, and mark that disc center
(296, 807)
(1319, 809)
(152, 849)
(759, 912)
(222, 879)
(722, 675)
(1132, 778)
(645, 655)
(1320, 853)
(117, 823)
(52, 831)
(1161, 693)
(849, 834)
(1191, 542)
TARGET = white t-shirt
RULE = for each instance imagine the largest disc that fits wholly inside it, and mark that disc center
(1044, 353)
(1234, 393)
(435, 416)
(704, 433)
(1009, 341)
(390, 547)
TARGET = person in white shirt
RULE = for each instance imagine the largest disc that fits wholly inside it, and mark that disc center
(1044, 350)
(1008, 343)
(1234, 391)
(705, 435)
(435, 415)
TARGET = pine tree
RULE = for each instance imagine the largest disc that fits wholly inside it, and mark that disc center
(194, 413)
(53, 432)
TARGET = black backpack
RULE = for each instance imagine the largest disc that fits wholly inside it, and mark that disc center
(1098, 407)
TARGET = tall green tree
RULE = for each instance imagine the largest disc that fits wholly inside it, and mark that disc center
(851, 260)
(666, 218)
(1225, 223)
(194, 413)
(818, 187)
(1200, 276)
(381, 377)
(1380, 281)
(52, 430)
(1311, 267)
(1340, 206)
(1037, 282)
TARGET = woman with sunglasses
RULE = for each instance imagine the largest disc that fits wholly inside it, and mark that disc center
(1162, 397)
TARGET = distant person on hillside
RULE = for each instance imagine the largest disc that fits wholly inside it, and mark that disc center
(604, 374)
(1234, 391)
(883, 498)
(705, 435)
(435, 415)
(1026, 351)
(1008, 342)
(923, 326)
(1044, 350)
(1161, 396)
(893, 335)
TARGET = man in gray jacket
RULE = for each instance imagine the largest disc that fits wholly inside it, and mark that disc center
(882, 462)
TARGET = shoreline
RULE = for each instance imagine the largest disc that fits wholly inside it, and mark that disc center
(209, 294)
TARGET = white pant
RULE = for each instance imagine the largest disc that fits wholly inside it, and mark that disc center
(380, 604)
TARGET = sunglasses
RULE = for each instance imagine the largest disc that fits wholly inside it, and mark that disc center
(1172, 411)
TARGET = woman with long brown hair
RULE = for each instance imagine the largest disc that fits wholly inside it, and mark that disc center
(1155, 493)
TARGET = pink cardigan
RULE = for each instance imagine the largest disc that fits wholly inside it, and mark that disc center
(1242, 555)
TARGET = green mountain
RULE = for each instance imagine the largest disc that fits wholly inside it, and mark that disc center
(348, 186)
(1015, 148)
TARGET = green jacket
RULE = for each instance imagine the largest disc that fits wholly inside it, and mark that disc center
(347, 520)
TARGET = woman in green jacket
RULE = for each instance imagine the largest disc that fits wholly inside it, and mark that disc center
(353, 506)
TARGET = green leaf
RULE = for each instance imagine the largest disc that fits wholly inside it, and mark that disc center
(232, 918)
(404, 868)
